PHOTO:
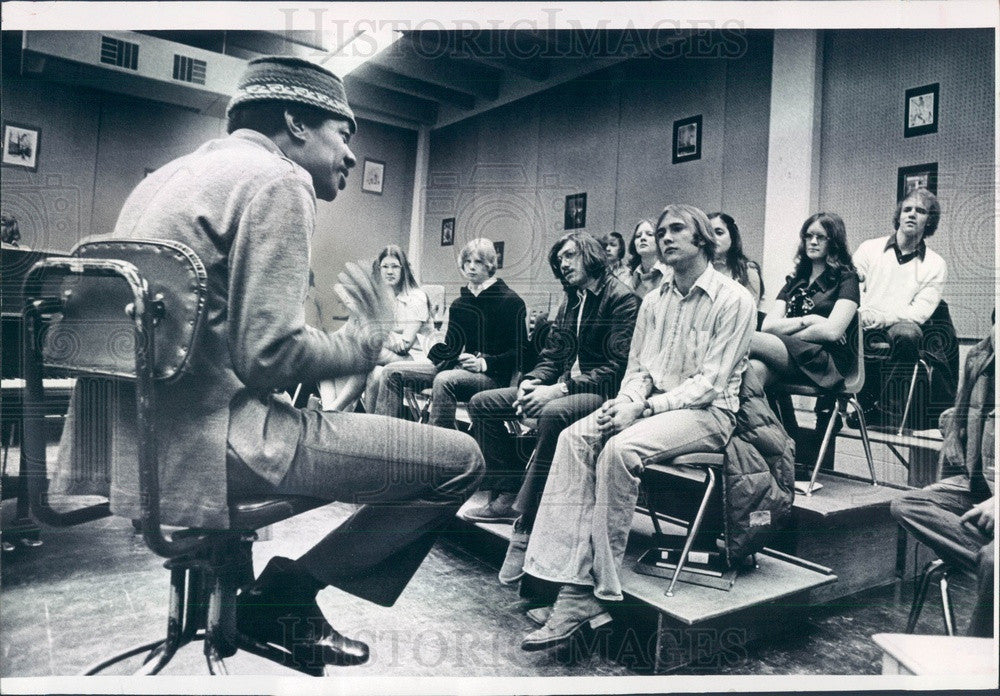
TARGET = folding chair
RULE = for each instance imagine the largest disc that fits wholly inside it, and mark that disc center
(935, 570)
(659, 477)
(150, 294)
(848, 394)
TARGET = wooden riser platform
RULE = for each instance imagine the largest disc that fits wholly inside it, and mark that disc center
(698, 624)
(846, 526)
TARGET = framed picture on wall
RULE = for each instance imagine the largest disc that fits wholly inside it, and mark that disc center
(575, 215)
(687, 139)
(447, 231)
(498, 246)
(20, 145)
(921, 111)
(916, 176)
(373, 176)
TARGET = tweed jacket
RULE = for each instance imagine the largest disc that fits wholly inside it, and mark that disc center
(248, 212)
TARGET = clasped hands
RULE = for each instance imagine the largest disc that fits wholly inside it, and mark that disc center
(615, 415)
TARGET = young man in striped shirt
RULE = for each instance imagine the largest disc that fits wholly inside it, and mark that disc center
(680, 394)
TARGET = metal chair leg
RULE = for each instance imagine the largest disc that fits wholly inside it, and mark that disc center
(822, 448)
(693, 530)
(946, 608)
(913, 383)
(865, 442)
(932, 569)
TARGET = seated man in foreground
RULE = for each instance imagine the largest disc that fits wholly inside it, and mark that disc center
(246, 205)
(580, 366)
(955, 517)
(680, 394)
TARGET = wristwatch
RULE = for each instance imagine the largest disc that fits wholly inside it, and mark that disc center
(647, 409)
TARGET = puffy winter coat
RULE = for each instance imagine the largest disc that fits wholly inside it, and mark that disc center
(758, 481)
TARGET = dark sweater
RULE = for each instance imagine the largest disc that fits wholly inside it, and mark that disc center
(492, 324)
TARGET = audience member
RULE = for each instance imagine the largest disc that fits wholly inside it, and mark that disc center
(481, 349)
(411, 323)
(680, 394)
(246, 205)
(807, 335)
(580, 366)
(901, 284)
(647, 270)
(955, 517)
(614, 244)
(729, 256)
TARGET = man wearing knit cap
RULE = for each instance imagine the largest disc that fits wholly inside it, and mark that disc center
(246, 205)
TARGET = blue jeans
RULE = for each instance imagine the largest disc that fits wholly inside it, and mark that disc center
(448, 387)
(585, 515)
(410, 480)
(507, 456)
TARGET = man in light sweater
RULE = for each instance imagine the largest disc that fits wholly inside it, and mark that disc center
(901, 285)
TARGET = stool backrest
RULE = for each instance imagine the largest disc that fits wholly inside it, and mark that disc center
(105, 288)
(118, 310)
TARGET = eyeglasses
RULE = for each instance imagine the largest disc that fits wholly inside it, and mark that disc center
(818, 236)
(390, 266)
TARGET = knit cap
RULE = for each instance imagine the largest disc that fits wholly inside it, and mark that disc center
(288, 78)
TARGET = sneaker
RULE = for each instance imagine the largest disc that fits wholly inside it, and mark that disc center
(499, 509)
(575, 607)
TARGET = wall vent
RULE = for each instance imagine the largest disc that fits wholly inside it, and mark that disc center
(189, 69)
(123, 54)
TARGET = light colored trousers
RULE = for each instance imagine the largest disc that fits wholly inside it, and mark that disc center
(586, 511)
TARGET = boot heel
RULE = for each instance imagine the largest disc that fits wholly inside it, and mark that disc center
(600, 620)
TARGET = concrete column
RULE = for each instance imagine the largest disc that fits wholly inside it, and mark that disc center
(793, 154)
(415, 248)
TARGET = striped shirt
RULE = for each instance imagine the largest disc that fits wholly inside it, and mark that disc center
(690, 351)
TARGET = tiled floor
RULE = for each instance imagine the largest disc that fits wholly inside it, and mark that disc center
(94, 589)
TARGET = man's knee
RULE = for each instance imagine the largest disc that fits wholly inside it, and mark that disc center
(444, 383)
(903, 507)
(482, 405)
(906, 337)
(462, 466)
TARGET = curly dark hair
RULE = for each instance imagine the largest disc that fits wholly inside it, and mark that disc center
(595, 258)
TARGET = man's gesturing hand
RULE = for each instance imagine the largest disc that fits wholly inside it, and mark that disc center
(369, 305)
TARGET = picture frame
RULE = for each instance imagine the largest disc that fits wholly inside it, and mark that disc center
(498, 247)
(373, 176)
(21, 144)
(448, 232)
(687, 139)
(575, 213)
(920, 110)
(916, 175)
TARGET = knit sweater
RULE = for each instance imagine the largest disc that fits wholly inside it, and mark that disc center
(491, 324)
(899, 292)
